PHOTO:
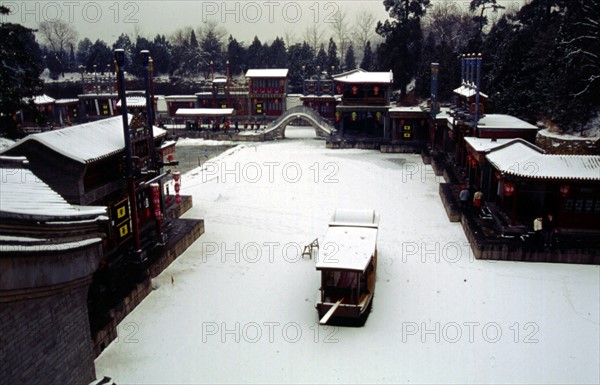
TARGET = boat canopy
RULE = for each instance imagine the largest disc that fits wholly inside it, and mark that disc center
(350, 242)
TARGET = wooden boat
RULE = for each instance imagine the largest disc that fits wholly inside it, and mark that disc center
(348, 263)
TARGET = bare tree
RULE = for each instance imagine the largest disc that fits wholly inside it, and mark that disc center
(58, 35)
(340, 30)
(313, 36)
(364, 31)
(289, 38)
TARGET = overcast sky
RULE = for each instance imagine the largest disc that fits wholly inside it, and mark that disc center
(267, 19)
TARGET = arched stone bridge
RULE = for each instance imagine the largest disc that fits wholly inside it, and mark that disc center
(276, 129)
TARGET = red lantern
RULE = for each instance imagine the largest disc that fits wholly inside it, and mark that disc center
(339, 89)
(474, 162)
(564, 191)
(155, 190)
(376, 90)
(498, 176)
(177, 179)
(354, 90)
(191, 104)
(170, 158)
(509, 189)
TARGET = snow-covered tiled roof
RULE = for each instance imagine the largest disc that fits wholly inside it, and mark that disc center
(468, 91)
(360, 76)
(501, 121)
(485, 144)
(204, 111)
(87, 142)
(181, 98)
(444, 114)
(66, 101)
(267, 73)
(24, 195)
(134, 101)
(43, 99)
(406, 109)
(520, 158)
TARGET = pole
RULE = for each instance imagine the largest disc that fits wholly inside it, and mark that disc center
(119, 63)
(477, 84)
(146, 62)
(435, 68)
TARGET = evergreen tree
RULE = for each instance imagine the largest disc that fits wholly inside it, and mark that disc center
(194, 40)
(124, 42)
(83, 51)
(254, 53)
(350, 59)
(367, 60)
(100, 55)
(277, 54)
(161, 54)
(321, 59)
(19, 73)
(332, 56)
(300, 55)
(236, 54)
(211, 48)
(402, 47)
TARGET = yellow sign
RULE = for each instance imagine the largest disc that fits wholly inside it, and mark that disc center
(124, 230)
(407, 128)
(121, 220)
(407, 135)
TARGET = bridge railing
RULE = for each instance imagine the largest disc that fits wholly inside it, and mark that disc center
(324, 123)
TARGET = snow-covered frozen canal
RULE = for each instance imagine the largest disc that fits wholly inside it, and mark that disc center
(238, 305)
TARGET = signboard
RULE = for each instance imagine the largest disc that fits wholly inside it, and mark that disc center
(121, 220)
(259, 108)
(407, 132)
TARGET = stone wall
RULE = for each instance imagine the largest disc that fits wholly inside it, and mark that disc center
(567, 144)
(46, 340)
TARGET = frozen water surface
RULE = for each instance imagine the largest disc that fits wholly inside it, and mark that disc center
(241, 305)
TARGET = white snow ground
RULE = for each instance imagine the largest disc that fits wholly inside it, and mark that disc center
(241, 305)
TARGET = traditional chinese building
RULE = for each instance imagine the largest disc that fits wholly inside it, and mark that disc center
(526, 182)
(49, 250)
(99, 98)
(409, 127)
(318, 93)
(84, 163)
(363, 110)
(267, 91)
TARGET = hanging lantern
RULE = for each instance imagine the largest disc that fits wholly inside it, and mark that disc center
(376, 90)
(474, 162)
(338, 116)
(177, 179)
(155, 191)
(509, 189)
(354, 115)
(339, 89)
(498, 176)
(191, 104)
(354, 90)
(564, 190)
(378, 115)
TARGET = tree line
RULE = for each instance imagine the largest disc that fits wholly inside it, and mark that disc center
(541, 62)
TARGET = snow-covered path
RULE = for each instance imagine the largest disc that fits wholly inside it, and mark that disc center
(241, 305)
